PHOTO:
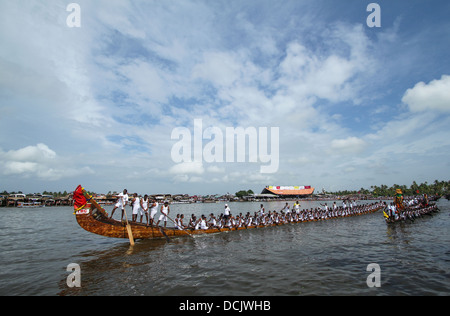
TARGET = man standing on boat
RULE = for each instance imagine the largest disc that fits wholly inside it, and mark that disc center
(227, 212)
(297, 208)
(136, 205)
(398, 200)
(261, 210)
(165, 210)
(122, 201)
(144, 207)
(153, 211)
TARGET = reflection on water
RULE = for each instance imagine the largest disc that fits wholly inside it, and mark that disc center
(317, 258)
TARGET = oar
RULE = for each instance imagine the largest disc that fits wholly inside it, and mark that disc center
(164, 233)
(130, 232)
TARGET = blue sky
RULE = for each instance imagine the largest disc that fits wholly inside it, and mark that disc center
(96, 105)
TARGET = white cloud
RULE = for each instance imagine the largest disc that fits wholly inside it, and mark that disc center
(145, 82)
(136, 70)
(351, 145)
(187, 168)
(38, 153)
(17, 167)
(215, 169)
(434, 96)
(336, 75)
(220, 68)
(38, 162)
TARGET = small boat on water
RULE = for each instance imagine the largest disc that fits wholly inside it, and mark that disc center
(93, 218)
(30, 204)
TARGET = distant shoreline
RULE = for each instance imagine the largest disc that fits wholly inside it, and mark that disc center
(34, 202)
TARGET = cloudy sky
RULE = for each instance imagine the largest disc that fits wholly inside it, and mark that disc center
(96, 105)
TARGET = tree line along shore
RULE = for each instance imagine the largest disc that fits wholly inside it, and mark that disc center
(48, 198)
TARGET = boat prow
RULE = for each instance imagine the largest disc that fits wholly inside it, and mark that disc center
(94, 219)
(97, 222)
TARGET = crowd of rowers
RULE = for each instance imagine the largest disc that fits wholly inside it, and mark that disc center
(413, 207)
(263, 218)
(149, 208)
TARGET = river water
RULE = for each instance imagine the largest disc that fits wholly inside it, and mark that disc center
(318, 258)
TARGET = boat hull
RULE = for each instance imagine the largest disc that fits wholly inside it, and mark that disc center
(96, 221)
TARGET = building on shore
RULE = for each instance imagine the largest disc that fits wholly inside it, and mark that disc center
(289, 192)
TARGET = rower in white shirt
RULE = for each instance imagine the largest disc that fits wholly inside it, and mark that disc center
(122, 201)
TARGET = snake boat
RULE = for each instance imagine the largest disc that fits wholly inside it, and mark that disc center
(410, 214)
(93, 218)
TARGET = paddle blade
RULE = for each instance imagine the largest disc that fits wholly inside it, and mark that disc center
(130, 234)
(164, 233)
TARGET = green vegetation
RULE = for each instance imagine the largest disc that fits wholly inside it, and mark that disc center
(437, 187)
(243, 193)
(54, 194)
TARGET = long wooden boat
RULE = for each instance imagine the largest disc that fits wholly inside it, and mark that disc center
(411, 214)
(93, 218)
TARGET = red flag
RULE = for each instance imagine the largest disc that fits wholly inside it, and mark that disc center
(78, 198)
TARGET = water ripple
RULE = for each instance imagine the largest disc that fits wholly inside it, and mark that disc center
(319, 258)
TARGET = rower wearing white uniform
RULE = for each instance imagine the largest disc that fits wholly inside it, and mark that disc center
(203, 224)
(165, 210)
(153, 211)
(227, 212)
(286, 208)
(144, 206)
(212, 221)
(136, 204)
(179, 222)
(122, 200)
